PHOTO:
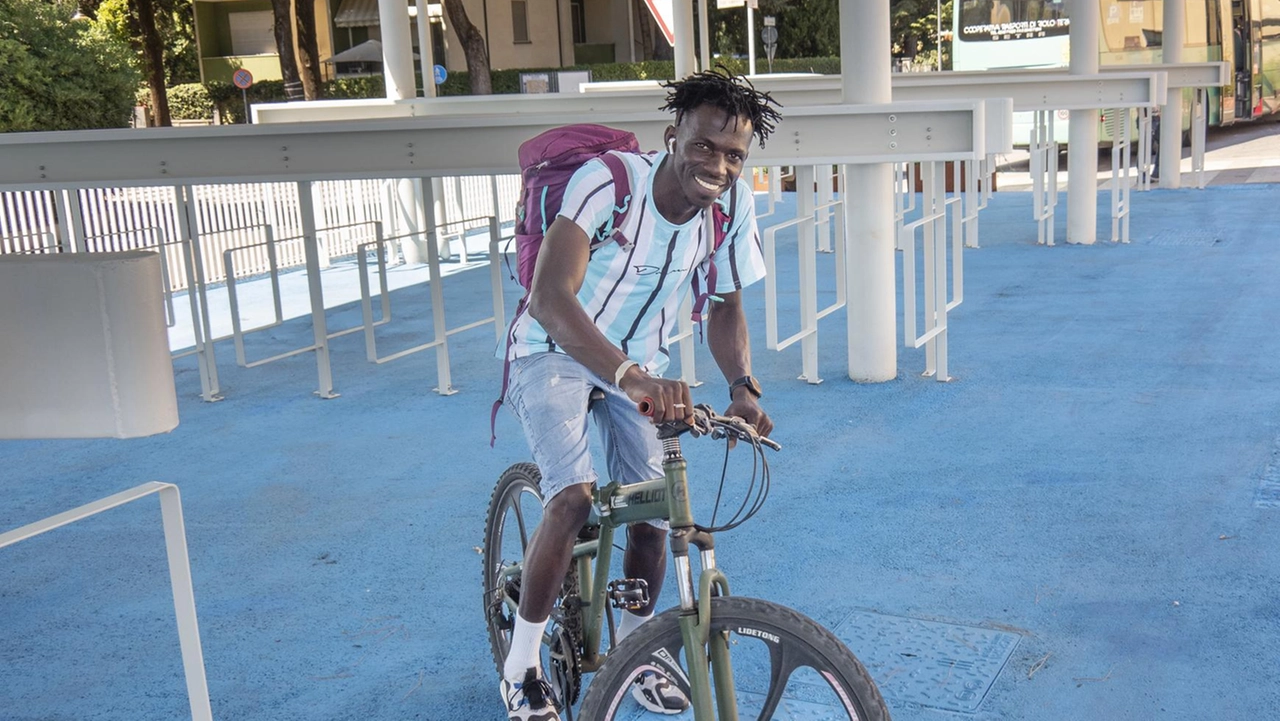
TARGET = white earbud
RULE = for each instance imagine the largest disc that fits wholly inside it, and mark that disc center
(671, 146)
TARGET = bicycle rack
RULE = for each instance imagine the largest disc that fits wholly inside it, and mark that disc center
(440, 340)
(936, 306)
(175, 541)
(807, 214)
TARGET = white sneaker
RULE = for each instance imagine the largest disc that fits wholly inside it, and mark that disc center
(529, 700)
(657, 694)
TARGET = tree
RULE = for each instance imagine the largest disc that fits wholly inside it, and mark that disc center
(282, 28)
(59, 74)
(152, 47)
(472, 46)
(308, 50)
(811, 28)
(175, 21)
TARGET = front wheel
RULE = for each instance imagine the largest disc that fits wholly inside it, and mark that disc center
(785, 666)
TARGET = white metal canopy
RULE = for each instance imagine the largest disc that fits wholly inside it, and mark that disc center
(453, 145)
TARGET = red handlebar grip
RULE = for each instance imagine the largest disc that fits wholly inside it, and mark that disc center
(645, 407)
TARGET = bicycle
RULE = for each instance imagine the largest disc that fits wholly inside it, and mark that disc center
(731, 655)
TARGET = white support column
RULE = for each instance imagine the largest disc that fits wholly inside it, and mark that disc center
(1175, 32)
(751, 37)
(426, 52)
(683, 30)
(869, 262)
(397, 50)
(1082, 137)
(704, 38)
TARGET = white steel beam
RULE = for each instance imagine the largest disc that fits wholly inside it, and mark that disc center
(447, 146)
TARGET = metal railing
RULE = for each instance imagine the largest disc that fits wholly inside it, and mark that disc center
(934, 284)
(1044, 176)
(175, 542)
(808, 242)
(435, 281)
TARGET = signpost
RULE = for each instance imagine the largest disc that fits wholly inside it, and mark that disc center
(243, 79)
(769, 34)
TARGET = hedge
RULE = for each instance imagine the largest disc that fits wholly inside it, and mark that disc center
(195, 101)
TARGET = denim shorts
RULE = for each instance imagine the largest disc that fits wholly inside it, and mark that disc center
(548, 394)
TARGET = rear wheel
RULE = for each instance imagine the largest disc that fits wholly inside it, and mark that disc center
(515, 510)
(785, 666)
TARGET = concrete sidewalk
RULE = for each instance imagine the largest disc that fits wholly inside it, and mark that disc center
(1097, 493)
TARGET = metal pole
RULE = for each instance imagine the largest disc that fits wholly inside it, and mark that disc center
(704, 43)
(1175, 32)
(426, 52)
(683, 30)
(319, 326)
(1082, 136)
(869, 262)
(751, 36)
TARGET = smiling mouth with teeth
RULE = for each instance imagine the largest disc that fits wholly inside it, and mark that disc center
(705, 184)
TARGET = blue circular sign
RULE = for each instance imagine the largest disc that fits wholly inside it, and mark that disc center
(440, 74)
(242, 79)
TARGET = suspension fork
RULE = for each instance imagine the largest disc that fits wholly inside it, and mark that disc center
(695, 609)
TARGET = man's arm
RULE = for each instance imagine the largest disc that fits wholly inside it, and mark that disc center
(553, 302)
(731, 347)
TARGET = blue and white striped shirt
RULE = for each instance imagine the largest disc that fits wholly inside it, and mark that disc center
(633, 293)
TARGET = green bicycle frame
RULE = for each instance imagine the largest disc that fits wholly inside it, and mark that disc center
(663, 499)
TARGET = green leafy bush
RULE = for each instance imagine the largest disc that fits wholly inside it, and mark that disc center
(58, 74)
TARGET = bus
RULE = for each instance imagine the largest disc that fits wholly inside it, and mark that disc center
(1016, 34)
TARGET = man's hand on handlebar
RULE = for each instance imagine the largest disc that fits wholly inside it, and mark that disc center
(664, 400)
(746, 407)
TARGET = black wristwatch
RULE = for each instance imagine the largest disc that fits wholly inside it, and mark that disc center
(750, 383)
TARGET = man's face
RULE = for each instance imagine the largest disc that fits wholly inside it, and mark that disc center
(711, 147)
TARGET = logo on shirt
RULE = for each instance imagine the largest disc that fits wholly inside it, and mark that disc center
(657, 270)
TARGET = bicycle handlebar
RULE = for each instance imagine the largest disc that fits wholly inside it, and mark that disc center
(707, 422)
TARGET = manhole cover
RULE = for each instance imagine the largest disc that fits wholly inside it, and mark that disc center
(939, 665)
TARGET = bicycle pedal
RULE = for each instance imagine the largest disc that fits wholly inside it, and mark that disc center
(631, 594)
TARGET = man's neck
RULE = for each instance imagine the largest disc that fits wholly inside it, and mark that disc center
(667, 196)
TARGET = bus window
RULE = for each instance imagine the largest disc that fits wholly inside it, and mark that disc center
(1012, 19)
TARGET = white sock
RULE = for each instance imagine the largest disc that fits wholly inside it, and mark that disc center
(526, 640)
(630, 622)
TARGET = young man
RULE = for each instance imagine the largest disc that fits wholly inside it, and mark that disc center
(599, 317)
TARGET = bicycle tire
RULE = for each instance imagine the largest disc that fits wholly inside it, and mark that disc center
(563, 641)
(519, 479)
(758, 631)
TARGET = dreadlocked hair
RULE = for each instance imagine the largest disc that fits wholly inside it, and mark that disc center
(731, 93)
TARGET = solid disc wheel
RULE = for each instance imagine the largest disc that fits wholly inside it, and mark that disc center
(785, 666)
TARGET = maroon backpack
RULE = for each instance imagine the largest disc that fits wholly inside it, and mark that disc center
(547, 163)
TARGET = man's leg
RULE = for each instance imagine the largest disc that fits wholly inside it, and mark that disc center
(548, 395)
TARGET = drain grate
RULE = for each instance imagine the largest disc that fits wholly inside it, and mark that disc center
(1268, 493)
(939, 665)
(1190, 237)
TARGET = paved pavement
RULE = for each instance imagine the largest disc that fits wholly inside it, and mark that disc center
(1239, 154)
(1095, 499)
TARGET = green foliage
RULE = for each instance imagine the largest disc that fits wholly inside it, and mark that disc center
(190, 101)
(58, 74)
(175, 21)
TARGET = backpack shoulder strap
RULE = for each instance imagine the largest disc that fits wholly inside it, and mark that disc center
(621, 198)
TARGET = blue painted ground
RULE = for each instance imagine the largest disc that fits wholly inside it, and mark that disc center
(1099, 479)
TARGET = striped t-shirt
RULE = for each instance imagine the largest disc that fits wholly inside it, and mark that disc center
(633, 293)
